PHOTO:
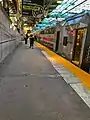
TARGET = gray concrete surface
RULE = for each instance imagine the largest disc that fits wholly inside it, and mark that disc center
(30, 89)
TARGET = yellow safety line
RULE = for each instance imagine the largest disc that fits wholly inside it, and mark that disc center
(83, 76)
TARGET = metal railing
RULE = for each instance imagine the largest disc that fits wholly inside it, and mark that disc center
(5, 41)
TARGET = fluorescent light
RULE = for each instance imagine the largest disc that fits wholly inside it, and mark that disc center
(59, 1)
(25, 24)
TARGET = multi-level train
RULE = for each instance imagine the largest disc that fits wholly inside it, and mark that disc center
(71, 42)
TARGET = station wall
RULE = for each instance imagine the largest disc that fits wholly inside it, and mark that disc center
(9, 38)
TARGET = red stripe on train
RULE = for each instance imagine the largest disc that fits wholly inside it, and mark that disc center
(47, 39)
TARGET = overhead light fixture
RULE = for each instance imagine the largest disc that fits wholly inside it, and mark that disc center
(25, 24)
(59, 1)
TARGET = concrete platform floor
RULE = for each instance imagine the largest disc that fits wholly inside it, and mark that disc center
(31, 89)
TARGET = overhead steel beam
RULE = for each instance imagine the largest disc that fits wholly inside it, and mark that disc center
(15, 3)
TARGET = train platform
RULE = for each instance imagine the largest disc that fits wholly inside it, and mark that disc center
(35, 84)
(78, 79)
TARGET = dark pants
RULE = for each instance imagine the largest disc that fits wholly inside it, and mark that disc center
(25, 41)
(31, 44)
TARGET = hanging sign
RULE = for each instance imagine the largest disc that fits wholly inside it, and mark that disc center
(30, 9)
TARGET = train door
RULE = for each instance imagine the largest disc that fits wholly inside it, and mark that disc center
(57, 41)
(78, 45)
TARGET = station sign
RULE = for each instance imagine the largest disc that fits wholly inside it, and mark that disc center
(31, 9)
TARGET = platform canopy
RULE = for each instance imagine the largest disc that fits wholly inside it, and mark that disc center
(70, 8)
(66, 11)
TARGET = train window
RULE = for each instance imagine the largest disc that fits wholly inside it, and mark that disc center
(42, 32)
(48, 31)
(65, 41)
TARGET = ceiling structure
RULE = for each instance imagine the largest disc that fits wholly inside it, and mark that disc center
(52, 4)
(36, 16)
(46, 6)
(70, 8)
(10, 6)
(13, 7)
(70, 11)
